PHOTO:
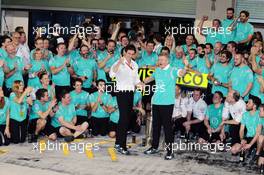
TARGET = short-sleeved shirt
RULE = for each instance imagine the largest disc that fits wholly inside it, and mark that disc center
(148, 60)
(235, 110)
(3, 111)
(81, 98)
(198, 108)
(62, 78)
(185, 48)
(66, 112)
(221, 73)
(228, 35)
(240, 78)
(212, 36)
(38, 107)
(243, 30)
(85, 67)
(18, 112)
(256, 88)
(165, 85)
(100, 112)
(18, 75)
(214, 115)
(36, 66)
(251, 122)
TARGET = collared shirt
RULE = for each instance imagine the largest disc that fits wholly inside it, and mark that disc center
(24, 52)
(198, 108)
(235, 110)
(126, 76)
(180, 107)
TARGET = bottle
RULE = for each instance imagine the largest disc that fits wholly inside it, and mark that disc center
(242, 156)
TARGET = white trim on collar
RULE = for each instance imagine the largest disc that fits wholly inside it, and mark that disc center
(167, 67)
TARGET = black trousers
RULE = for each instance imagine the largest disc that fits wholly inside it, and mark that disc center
(162, 116)
(125, 105)
(234, 134)
(3, 141)
(99, 126)
(18, 131)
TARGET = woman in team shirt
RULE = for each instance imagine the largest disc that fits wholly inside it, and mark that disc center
(4, 119)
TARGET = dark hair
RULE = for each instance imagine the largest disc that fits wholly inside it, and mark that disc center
(150, 42)
(233, 43)
(83, 45)
(111, 41)
(236, 95)
(130, 47)
(192, 49)
(245, 12)
(209, 44)
(123, 37)
(98, 81)
(78, 80)
(255, 100)
(230, 9)
(199, 90)
(39, 38)
(220, 94)
(58, 45)
(22, 33)
(201, 45)
(63, 93)
(3, 39)
(165, 48)
(158, 37)
(19, 28)
(40, 93)
(41, 74)
(94, 39)
(217, 21)
(228, 54)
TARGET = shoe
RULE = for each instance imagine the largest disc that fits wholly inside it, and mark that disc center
(68, 138)
(123, 151)
(169, 156)
(254, 159)
(117, 146)
(151, 151)
(34, 138)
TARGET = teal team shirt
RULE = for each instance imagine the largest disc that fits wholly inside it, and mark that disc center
(256, 88)
(165, 85)
(66, 112)
(214, 115)
(243, 30)
(147, 60)
(81, 98)
(114, 116)
(201, 65)
(36, 66)
(227, 35)
(213, 36)
(251, 123)
(18, 75)
(38, 107)
(100, 112)
(2, 74)
(3, 111)
(185, 48)
(100, 72)
(3, 53)
(85, 67)
(18, 112)
(240, 78)
(221, 73)
(62, 78)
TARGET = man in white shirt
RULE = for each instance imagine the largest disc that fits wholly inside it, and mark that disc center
(196, 112)
(179, 115)
(234, 106)
(125, 70)
(23, 49)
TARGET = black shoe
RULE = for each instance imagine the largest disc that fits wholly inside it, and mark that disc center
(123, 151)
(68, 138)
(169, 156)
(117, 146)
(34, 138)
(151, 151)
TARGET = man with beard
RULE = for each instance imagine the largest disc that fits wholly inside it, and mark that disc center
(148, 57)
(220, 72)
(243, 29)
(241, 77)
(218, 47)
(189, 44)
(250, 122)
(228, 35)
(106, 59)
(232, 47)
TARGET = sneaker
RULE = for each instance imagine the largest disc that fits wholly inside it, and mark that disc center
(68, 138)
(151, 151)
(169, 156)
(123, 151)
(117, 146)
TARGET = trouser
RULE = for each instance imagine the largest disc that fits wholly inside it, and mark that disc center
(125, 105)
(234, 134)
(178, 125)
(162, 116)
(18, 131)
(99, 126)
(4, 140)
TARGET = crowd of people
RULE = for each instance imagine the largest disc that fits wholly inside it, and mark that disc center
(63, 91)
